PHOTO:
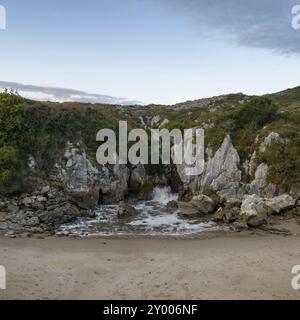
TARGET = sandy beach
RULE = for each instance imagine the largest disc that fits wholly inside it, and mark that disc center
(226, 266)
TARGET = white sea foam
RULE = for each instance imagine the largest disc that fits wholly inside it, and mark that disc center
(164, 195)
(154, 218)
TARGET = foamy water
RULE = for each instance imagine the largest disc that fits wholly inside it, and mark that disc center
(153, 218)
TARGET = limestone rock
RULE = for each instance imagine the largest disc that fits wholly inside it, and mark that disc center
(260, 185)
(199, 205)
(126, 210)
(254, 205)
(280, 203)
(272, 137)
(222, 173)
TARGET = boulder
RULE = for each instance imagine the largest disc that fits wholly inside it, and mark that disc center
(219, 215)
(227, 214)
(253, 206)
(45, 190)
(199, 205)
(257, 209)
(13, 209)
(172, 205)
(125, 210)
(257, 221)
(187, 208)
(85, 200)
(281, 203)
(204, 203)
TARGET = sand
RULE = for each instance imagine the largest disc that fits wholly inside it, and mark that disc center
(222, 266)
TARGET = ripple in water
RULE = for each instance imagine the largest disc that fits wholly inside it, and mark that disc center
(154, 219)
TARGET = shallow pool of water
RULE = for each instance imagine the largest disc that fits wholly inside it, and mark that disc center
(153, 219)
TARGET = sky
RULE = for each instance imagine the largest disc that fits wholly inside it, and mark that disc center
(154, 51)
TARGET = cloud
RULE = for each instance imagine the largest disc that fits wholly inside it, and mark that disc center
(253, 23)
(63, 95)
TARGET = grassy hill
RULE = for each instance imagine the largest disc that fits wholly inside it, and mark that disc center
(40, 129)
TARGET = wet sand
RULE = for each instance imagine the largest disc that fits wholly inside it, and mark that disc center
(224, 266)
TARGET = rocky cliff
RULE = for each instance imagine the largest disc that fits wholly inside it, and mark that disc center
(246, 180)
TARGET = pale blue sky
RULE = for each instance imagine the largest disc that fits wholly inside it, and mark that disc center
(149, 50)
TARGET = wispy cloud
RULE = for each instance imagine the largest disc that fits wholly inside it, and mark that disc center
(63, 95)
(253, 23)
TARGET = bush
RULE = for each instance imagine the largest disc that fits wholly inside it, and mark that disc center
(257, 112)
(9, 164)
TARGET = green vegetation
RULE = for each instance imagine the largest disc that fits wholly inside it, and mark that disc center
(243, 125)
(42, 130)
(284, 163)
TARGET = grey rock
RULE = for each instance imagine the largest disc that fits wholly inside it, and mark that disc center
(200, 205)
(252, 164)
(222, 173)
(31, 163)
(41, 199)
(155, 121)
(219, 215)
(187, 208)
(3, 216)
(280, 203)
(45, 190)
(260, 185)
(13, 209)
(254, 206)
(227, 215)
(271, 138)
(257, 209)
(32, 221)
(172, 205)
(257, 221)
(164, 123)
(126, 210)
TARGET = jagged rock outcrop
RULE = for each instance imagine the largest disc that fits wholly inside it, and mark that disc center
(79, 177)
(38, 213)
(222, 173)
(84, 184)
(260, 184)
(271, 138)
(153, 122)
(256, 210)
(78, 174)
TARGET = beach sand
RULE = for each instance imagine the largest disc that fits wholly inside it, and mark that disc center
(221, 266)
